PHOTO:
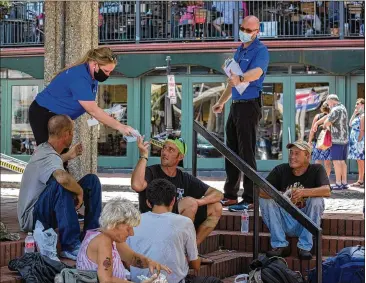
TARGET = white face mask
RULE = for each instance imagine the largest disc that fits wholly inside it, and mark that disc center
(245, 37)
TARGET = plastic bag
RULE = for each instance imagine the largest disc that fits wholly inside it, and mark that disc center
(161, 278)
(46, 241)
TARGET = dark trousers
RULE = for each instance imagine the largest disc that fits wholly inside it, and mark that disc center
(38, 120)
(56, 208)
(241, 133)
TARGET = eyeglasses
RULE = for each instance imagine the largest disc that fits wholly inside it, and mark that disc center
(243, 29)
(174, 137)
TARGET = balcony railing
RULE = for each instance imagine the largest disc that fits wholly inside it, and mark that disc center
(22, 23)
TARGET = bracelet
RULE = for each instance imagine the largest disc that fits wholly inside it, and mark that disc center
(144, 158)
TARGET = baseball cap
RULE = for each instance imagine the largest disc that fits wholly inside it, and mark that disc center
(300, 144)
(179, 142)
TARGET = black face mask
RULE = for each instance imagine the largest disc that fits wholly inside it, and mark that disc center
(100, 76)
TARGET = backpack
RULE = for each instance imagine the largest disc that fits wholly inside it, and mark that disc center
(347, 266)
(70, 275)
(273, 270)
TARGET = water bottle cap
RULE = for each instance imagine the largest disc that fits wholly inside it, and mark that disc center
(30, 233)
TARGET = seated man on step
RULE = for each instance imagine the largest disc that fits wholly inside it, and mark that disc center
(195, 199)
(166, 237)
(51, 195)
(307, 184)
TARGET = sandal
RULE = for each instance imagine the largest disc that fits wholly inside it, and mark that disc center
(358, 184)
(205, 260)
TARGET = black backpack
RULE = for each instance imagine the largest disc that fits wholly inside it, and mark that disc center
(273, 270)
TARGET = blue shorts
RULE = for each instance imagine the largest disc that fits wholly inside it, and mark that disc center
(339, 152)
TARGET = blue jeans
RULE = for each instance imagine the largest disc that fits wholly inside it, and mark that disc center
(280, 223)
(56, 208)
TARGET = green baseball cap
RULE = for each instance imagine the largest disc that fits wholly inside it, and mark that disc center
(179, 142)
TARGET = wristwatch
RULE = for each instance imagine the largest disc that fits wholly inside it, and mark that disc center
(144, 157)
(241, 78)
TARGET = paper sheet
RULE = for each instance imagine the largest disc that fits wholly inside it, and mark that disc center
(232, 67)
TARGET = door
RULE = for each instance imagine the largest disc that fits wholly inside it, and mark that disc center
(154, 119)
(307, 95)
(113, 151)
(355, 90)
(16, 134)
(272, 133)
(203, 92)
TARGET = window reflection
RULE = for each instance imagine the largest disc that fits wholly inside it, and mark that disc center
(158, 119)
(309, 98)
(205, 95)
(22, 138)
(110, 141)
(269, 134)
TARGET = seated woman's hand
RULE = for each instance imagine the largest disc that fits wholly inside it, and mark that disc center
(153, 265)
(151, 279)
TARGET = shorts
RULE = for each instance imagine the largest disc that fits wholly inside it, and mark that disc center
(339, 152)
(201, 215)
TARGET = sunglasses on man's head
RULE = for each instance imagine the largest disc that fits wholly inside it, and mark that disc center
(243, 29)
(174, 137)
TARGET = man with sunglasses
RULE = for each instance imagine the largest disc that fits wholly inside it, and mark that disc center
(245, 111)
(195, 199)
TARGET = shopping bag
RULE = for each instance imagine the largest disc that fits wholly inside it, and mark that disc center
(324, 140)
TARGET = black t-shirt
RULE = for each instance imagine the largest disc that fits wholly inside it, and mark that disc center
(282, 178)
(186, 184)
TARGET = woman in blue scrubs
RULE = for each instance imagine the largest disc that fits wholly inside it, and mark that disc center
(73, 91)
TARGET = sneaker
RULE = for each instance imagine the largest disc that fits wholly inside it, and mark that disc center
(281, 252)
(238, 207)
(228, 202)
(336, 187)
(345, 186)
(304, 255)
(70, 254)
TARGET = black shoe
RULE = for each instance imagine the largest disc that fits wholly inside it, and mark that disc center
(304, 255)
(281, 252)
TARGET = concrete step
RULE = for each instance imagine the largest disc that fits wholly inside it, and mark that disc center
(334, 224)
(235, 240)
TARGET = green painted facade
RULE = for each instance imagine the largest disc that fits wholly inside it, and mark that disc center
(337, 67)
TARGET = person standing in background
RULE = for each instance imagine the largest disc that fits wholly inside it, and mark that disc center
(357, 140)
(245, 111)
(318, 155)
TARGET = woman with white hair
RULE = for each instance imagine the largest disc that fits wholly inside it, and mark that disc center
(104, 249)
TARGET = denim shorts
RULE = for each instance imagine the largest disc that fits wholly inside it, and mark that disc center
(339, 152)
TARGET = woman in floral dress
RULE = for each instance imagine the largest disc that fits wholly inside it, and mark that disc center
(357, 140)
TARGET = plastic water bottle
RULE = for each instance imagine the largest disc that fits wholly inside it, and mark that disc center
(29, 243)
(245, 221)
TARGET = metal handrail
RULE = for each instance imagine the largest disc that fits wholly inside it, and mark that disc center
(260, 183)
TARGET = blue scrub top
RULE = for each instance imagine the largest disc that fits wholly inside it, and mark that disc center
(255, 55)
(63, 93)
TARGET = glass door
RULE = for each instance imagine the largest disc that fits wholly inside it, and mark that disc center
(17, 137)
(154, 120)
(203, 93)
(307, 96)
(113, 151)
(356, 90)
(272, 134)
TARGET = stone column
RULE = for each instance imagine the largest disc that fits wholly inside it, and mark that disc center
(71, 29)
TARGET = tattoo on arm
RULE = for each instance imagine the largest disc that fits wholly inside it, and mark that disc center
(107, 263)
(138, 262)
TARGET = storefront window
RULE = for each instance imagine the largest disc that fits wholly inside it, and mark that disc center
(110, 141)
(309, 98)
(205, 95)
(269, 134)
(158, 119)
(361, 90)
(22, 138)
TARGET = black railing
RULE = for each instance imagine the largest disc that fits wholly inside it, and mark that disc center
(260, 184)
(139, 21)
